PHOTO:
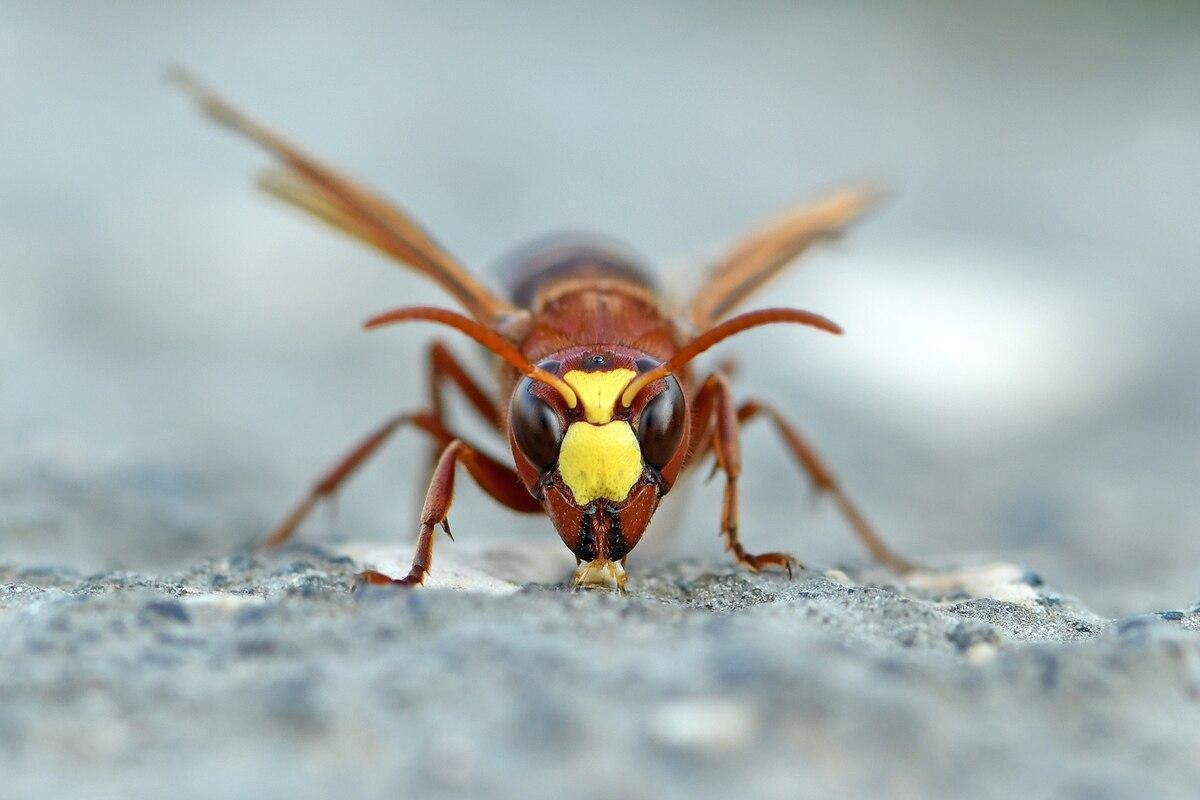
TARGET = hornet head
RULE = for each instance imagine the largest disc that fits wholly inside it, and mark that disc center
(599, 467)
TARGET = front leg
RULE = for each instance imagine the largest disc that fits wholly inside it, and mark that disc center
(715, 401)
(499, 481)
(443, 368)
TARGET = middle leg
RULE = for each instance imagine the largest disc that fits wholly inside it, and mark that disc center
(824, 480)
(714, 401)
(443, 367)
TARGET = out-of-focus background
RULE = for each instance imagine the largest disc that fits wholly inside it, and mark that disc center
(1020, 376)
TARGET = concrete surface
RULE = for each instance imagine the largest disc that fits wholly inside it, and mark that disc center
(1019, 381)
(267, 676)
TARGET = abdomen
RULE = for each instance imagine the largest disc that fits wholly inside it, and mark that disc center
(570, 257)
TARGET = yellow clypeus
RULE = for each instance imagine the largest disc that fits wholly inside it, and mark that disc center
(600, 461)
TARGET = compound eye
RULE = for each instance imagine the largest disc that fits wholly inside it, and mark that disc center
(536, 427)
(660, 427)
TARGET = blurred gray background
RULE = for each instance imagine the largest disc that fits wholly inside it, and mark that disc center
(179, 355)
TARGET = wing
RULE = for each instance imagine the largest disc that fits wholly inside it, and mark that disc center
(763, 254)
(353, 209)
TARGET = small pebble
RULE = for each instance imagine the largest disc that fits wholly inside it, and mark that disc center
(244, 562)
(703, 725)
(254, 615)
(965, 635)
(1135, 624)
(837, 576)
(980, 653)
(165, 609)
(1173, 616)
(252, 648)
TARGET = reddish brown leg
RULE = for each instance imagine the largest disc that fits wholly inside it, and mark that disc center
(442, 367)
(499, 481)
(826, 482)
(822, 477)
(715, 400)
(328, 484)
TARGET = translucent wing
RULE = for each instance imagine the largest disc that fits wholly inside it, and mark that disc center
(763, 254)
(307, 184)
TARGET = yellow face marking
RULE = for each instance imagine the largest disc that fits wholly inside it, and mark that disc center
(598, 391)
(600, 461)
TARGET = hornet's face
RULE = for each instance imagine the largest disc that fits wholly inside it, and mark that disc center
(599, 468)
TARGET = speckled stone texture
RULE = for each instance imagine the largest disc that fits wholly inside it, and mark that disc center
(267, 676)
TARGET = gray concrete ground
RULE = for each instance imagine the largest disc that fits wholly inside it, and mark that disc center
(267, 676)
(1019, 381)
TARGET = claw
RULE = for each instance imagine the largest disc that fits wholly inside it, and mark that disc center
(372, 577)
(757, 562)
